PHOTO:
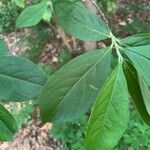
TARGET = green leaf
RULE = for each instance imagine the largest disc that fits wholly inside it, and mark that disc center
(145, 92)
(135, 91)
(71, 90)
(78, 21)
(3, 48)
(110, 113)
(8, 125)
(137, 39)
(20, 79)
(31, 15)
(140, 56)
(20, 3)
(48, 12)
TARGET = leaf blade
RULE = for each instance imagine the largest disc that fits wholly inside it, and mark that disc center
(20, 79)
(145, 92)
(140, 56)
(137, 39)
(31, 15)
(74, 86)
(110, 114)
(135, 91)
(78, 21)
(7, 124)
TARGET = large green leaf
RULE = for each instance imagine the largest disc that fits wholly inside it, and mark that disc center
(3, 48)
(72, 89)
(20, 79)
(31, 15)
(145, 92)
(110, 113)
(78, 21)
(140, 56)
(137, 39)
(20, 3)
(135, 91)
(8, 125)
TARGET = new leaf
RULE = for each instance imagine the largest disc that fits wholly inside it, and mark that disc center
(110, 114)
(20, 3)
(31, 15)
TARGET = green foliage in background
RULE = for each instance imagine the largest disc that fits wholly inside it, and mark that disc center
(36, 41)
(22, 112)
(137, 134)
(70, 134)
(109, 6)
(8, 15)
(135, 26)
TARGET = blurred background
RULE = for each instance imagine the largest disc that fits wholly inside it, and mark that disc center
(48, 46)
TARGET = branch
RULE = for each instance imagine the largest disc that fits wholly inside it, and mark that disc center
(100, 11)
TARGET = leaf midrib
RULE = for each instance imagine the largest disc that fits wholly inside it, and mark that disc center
(19, 79)
(104, 118)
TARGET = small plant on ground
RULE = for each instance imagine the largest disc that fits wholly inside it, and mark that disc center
(71, 134)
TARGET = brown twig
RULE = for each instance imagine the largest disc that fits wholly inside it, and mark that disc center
(100, 11)
(64, 38)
